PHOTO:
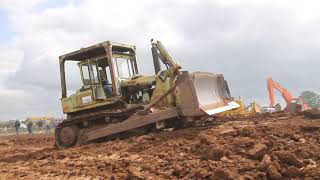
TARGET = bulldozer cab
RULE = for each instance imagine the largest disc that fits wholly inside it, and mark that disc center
(102, 67)
(96, 75)
(92, 79)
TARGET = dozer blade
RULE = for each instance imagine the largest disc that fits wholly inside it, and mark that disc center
(203, 93)
(213, 93)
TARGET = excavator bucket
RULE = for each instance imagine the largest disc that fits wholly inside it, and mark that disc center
(206, 92)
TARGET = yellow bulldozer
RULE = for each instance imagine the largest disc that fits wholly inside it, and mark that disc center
(244, 110)
(115, 98)
(40, 121)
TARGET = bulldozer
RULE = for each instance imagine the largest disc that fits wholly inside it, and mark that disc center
(115, 98)
(243, 110)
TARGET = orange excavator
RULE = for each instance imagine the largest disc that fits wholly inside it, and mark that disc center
(294, 105)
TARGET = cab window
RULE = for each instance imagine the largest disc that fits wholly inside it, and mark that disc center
(124, 67)
(94, 73)
(85, 74)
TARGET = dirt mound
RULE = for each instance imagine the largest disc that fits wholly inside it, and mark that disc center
(271, 146)
(312, 113)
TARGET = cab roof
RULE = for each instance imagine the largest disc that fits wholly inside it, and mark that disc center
(98, 50)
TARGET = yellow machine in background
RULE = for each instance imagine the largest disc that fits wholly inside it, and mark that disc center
(40, 121)
(39, 124)
(37, 119)
(244, 110)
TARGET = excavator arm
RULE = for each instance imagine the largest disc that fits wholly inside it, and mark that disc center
(284, 92)
(270, 91)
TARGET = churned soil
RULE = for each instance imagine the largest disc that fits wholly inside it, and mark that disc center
(271, 146)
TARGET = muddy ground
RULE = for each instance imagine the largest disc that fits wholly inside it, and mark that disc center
(261, 147)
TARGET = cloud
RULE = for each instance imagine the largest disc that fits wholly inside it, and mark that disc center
(18, 5)
(11, 58)
(244, 40)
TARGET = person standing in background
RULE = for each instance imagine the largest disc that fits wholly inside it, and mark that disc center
(17, 126)
(47, 127)
(29, 127)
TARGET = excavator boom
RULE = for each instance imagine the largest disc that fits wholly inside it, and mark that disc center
(270, 86)
(284, 92)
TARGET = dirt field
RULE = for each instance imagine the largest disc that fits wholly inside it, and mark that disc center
(261, 147)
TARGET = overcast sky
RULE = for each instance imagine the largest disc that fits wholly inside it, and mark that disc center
(247, 41)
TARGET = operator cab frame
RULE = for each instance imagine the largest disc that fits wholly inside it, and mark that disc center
(102, 67)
